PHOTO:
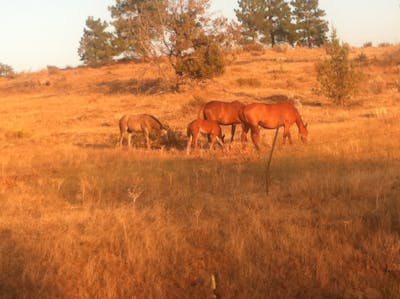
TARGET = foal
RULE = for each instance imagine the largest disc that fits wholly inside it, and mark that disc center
(144, 123)
(209, 127)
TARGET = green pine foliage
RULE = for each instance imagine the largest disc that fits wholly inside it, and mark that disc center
(309, 28)
(276, 21)
(96, 43)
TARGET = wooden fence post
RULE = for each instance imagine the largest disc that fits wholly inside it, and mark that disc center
(268, 175)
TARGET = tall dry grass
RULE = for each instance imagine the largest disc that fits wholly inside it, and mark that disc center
(80, 219)
(132, 224)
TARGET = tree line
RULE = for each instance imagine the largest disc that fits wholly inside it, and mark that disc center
(194, 42)
(185, 32)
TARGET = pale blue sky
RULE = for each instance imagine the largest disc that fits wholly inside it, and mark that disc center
(38, 33)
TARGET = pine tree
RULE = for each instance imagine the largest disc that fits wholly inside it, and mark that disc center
(310, 28)
(95, 45)
(268, 21)
(277, 22)
(180, 30)
(251, 15)
(137, 23)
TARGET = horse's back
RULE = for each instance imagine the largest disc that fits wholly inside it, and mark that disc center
(205, 126)
(223, 112)
(138, 122)
(269, 115)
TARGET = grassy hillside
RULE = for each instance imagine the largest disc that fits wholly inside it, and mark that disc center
(80, 218)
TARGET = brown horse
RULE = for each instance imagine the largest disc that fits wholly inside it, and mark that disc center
(204, 126)
(225, 113)
(270, 116)
(139, 123)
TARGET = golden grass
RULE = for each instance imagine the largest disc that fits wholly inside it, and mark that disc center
(82, 219)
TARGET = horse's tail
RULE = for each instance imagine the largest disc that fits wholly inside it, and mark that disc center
(123, 124)
(200, 114)
(188, 134)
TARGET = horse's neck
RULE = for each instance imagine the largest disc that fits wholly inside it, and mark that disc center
(300, 124)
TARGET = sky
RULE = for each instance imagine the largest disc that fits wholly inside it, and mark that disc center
(41, 33)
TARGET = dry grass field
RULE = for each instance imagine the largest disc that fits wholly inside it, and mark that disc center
(80, 218)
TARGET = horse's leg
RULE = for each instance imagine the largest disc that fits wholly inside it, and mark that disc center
(233, 129)
(195, 139)
(189, 144)
(129, 139)
(146, 134)
(121, 137)
(219, 141)
(255, 136)
(213, 139)
(286, 133)
(243, 137)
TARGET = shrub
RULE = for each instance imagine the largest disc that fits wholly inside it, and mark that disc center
(6, 71)
(253, 82)
(391, 58)
(254, 47)
(362, 59)
(384, 44)
(337, 76)
(377, 85)
(204, 62)
(367, 45)
(281, 48)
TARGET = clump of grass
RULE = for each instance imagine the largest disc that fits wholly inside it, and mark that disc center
(252, 82)
(377, 85)
(193, 105)
(391, 58)
(281, 48)
(16, 134)
(254, 48)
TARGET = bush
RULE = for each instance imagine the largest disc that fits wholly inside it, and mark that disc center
(377, 85)
(204, 62)
(253, 82)
(337, 76)
(367, 45)
(391, 58)
(254, 47)
(6, 71)
(362, 59)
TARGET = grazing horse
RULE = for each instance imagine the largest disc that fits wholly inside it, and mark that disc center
(225, 113)
(204, 126)
(139, 123)
(269, 116)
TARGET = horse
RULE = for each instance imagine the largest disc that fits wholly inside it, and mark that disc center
(204, 126)
(139, 123)
(225, 113)
(269, 116)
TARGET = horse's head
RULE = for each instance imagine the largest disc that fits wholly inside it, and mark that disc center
(304, 134)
